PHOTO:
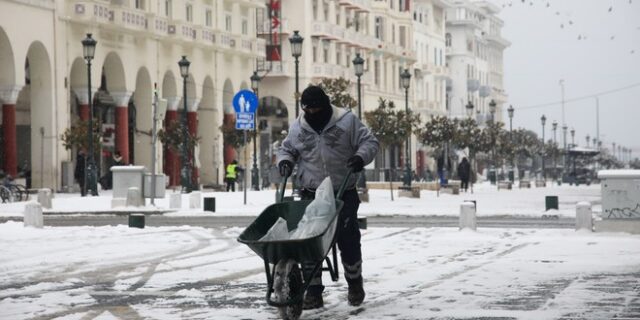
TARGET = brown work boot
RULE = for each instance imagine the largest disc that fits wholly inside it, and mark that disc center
(356, 292)
(312, 301)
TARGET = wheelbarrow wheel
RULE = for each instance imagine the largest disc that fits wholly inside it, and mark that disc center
(287, 284)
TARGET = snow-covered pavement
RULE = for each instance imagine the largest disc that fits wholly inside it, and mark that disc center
(413, 273)
(490, 201)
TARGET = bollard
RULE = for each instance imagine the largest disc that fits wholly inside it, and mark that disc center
(362, 223)
(175, 201)
(584, 218)
(467, 216)
(33, 215)
(475, 204)
(550, 202)
(136, 220)
(210, 204)
(44, 198)
(195, 200)
(134, 197)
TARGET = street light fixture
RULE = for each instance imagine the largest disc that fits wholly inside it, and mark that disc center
(90, 172)
(492, 109)
(492, 170)
(255, 172)
(543, 120)
(185, 176)
(573, 135)
(405, 81)
(469, 108)
(358, 65)
(510, 111)
(296, 51)
(554, 127)
(588, 139)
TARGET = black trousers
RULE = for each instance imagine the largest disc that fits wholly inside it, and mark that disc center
(231, 184)
(348, 239)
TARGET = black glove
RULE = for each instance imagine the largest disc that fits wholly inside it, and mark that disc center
(285, 167)
(355, 163)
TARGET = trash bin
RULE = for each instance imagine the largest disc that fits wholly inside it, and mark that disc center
(210, 204)
(136, 220)
(492, 176)
(550, 202)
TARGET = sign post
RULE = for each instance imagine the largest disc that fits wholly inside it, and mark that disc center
(245, 104)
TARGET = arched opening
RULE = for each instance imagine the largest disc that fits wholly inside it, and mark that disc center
(273, 125)
(171, 162)
(8, 159)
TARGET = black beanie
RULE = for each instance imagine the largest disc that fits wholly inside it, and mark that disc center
(314, 96)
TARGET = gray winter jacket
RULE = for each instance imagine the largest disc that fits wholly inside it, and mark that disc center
(326, 154)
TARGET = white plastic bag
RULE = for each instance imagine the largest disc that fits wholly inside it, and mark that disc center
(318, 213)
(277, 232)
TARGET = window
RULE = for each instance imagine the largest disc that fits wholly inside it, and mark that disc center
(403, 36)
(227, 22)
(447, 39)
(325, 11)
(376, 73)
(189, 12)
(338, 55)
(245, 26)
(325, 51)
(208, 18)
(139, 4)
(349, 60)
(379, 28)
(315, 50)
(315, 9)
(393, 33)
(167, 8)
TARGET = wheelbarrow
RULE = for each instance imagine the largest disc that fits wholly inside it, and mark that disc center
(285, 280)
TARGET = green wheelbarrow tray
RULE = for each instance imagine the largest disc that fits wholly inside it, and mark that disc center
(306, 249)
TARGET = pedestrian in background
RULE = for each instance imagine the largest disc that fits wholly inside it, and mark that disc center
(232, 175)
(464, 173)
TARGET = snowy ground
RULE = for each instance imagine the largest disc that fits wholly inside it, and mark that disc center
(490, 201)
(413, 273)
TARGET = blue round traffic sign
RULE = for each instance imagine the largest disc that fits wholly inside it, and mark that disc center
(245, 101)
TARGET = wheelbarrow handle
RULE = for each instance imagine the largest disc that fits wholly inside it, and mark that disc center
(283, 187)
(343, 186)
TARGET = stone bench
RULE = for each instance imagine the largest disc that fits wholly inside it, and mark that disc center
(504, 185)
(450, 188)
(413, 192)
(524, 184)
(541, 183)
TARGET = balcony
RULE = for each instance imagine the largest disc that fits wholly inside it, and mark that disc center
(265, 27)
(130, 18)
(323, 30)
(91, 11)
(358, 5)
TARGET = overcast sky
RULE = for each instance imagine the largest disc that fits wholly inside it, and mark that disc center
(594, 45)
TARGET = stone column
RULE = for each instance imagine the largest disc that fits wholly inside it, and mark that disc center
(9, 96)
(172, 160)
(83, 100)
(122, 123)
(192, 126)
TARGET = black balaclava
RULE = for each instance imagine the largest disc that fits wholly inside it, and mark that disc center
(314, 96)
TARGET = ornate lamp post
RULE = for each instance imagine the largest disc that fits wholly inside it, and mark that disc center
(510, 111)
(554, 127)
(492, 170)
(469, 109)
(90, 172)
(358, 65)
(185, 176)
(296, 51)
(405, 80)
(543, 120)
(573, 135)
(565, 157)
(588, 139)
(255, 172)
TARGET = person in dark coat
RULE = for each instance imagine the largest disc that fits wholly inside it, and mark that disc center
(464, 173)
(107, 180)
(78, 173)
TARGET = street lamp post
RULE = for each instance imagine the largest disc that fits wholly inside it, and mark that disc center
(543, 120)
(358, 65)
(554, 126)
(405, 80)
(469, 108)
(185, 176)
(90, 179)
(255, 172)
(510, 111)
(296, 51)
(573, 135)
(564, 142)
(492, 170)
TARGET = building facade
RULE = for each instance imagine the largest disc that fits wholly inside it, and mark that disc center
(44, 79)
(474, 48)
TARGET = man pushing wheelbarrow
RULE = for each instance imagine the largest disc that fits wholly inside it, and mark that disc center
(321, 142)
(326, 142)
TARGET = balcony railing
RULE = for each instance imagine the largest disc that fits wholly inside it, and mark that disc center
(130, 19)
